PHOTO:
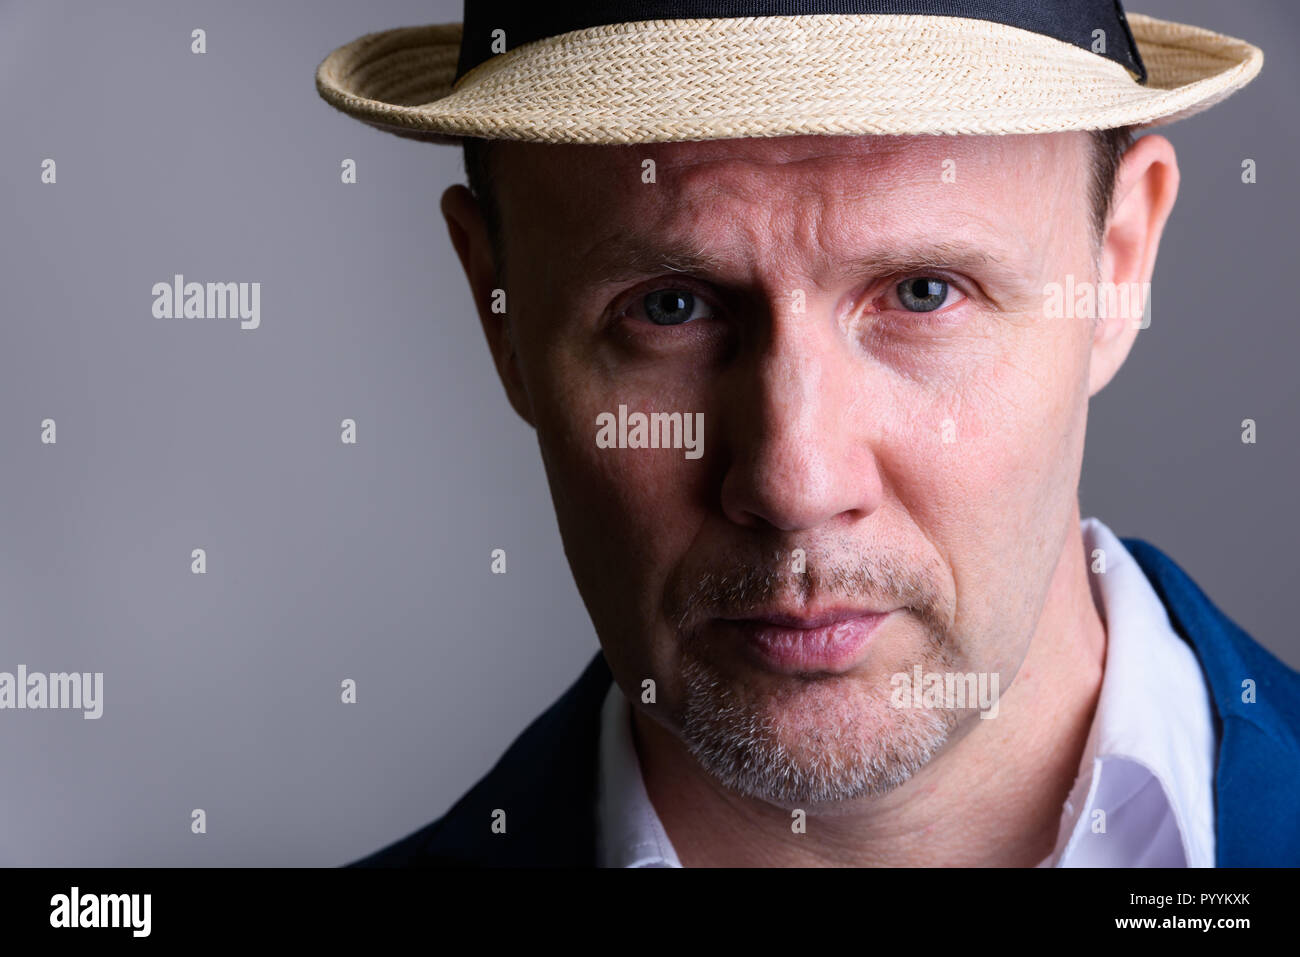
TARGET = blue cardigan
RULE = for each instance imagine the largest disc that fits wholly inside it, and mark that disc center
(546, 781)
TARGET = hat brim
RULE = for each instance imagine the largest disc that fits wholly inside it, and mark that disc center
(693, 79)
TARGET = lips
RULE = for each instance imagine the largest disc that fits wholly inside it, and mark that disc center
(832, 641)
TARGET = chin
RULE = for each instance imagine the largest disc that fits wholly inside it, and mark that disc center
(801, 742)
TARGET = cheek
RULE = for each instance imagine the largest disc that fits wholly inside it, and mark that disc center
(987, 468)
(995, 432)
(639, 492)
(625, 514)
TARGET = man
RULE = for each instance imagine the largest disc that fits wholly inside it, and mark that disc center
(810, 385)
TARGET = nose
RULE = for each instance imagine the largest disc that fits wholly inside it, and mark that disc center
(800, 431)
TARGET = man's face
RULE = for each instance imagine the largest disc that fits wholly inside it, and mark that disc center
(891, 426)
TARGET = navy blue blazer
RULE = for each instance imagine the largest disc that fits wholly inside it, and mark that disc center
(546, 781)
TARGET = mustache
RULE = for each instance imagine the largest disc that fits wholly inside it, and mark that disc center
(739, 588)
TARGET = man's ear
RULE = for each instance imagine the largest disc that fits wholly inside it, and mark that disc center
(470, 238)
(1146, 186)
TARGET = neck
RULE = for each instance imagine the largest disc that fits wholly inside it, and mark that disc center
(991, 798)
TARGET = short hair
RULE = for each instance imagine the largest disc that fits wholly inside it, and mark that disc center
(1108, 148)
(479, 171)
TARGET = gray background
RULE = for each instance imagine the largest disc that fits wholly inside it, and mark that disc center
(370, 562)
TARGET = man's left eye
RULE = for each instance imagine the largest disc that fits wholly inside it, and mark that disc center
(673, 307)
(926, 294)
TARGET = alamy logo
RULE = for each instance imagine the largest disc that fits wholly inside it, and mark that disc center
(1084, 299)
(36, 690)
(179, 299)
(935, 689)
(75, 909)
(655, 430)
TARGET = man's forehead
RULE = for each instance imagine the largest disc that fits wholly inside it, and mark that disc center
(913, 191)
(567, 165)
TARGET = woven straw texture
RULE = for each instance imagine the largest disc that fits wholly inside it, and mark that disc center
(673, 80)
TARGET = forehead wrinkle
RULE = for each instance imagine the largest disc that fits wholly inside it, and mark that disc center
(826, 217)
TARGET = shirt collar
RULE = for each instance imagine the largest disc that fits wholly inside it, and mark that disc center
(1153, 723)
(629, 832)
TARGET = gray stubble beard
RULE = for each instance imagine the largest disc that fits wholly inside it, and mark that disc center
(744, 747)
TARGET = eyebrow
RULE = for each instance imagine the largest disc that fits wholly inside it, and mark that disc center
(622, 259)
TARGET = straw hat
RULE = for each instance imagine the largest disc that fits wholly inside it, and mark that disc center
(638, 71)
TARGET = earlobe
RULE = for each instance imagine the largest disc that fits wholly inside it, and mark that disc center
(1146, 188)
(468, 233)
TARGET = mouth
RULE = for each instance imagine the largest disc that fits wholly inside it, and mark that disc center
(831, 642)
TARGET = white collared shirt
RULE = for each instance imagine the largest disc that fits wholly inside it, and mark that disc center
(1144, 795)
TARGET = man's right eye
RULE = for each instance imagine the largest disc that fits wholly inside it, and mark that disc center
(673, 307)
